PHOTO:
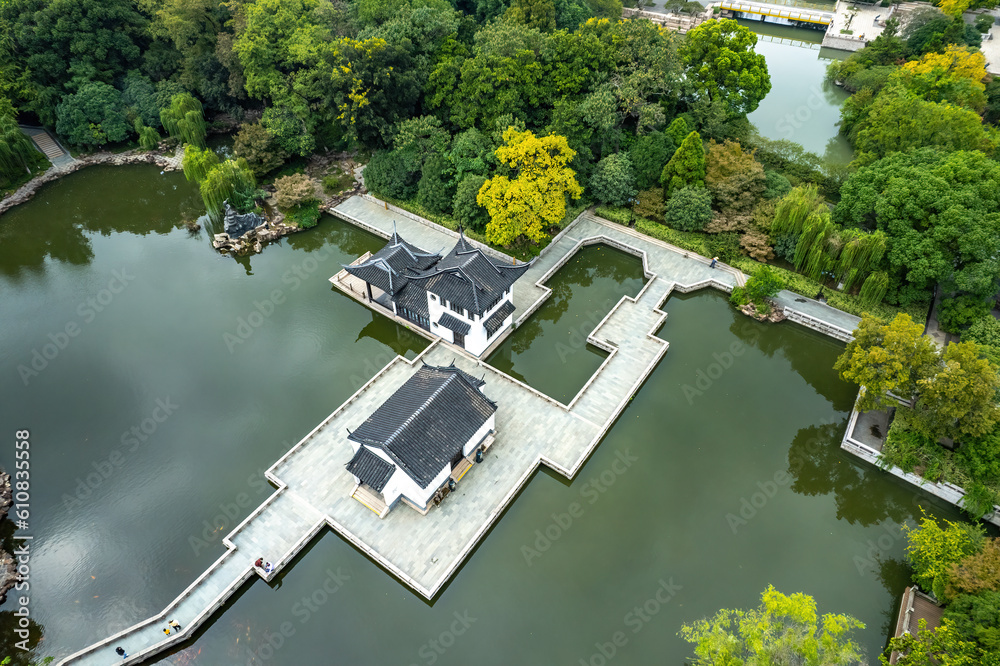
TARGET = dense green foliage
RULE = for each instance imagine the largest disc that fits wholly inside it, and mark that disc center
(785, 630)
(941, 214)
(613, 180)
(688, 209)
(687, 166)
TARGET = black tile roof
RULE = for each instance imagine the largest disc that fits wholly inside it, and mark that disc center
(469, 278)
(387, 269)
(496, 319)
(424, 425)
(371, 469)
(466, 276)
(454, 324)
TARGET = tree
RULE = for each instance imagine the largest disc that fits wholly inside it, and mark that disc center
(184, 120)
(613, 181)
(976, 573)
(939, 647)
(230, 181)
(93, 116)
(688, 209)
(290, 191)
(471, 153)
(649, 154)
(424, 134)
(537, 192)
(764, 284)
(66, 44)
(539, 14)
(736, 181)
(678, 130)
(886, 358)
(436, 189)
(985, 331)
(139, 99)
(783, 630)
(953, 76)
(960, 397)
(17, 154)
(898, 120)
(465, 208)
(394, 173)
(259, 148)
(933, 549)
(976, 618)
(198, 162)
(721, 65)
(939, 211)
(686, 168)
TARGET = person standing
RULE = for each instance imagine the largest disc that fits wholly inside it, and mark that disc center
(173, 625)
(715, 260)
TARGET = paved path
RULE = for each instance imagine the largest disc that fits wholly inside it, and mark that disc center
(314, 487)
(49, 145)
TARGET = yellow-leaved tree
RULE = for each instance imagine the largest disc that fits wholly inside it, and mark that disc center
(957, 62)
(537, 192)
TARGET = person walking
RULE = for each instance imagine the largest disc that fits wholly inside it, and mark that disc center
(173, 625)
(120, 651)
(166, 630)
(715, 260)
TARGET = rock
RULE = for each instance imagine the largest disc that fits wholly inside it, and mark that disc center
(236, 224)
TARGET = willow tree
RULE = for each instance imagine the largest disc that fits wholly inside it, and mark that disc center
(792, 211)
(16, 150)
(231, 181)
(148, 136)
(184, 119)
(815, 249)
(874, 288)
(198, 162)
(860, 255)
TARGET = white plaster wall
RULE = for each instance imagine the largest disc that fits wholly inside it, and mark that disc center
(476, 341)
(480, 434)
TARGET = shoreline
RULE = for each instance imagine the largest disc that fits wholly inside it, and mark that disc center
(27, 191)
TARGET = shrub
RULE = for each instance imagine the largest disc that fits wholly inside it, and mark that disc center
(688, 209)
(725, 246)
(958, 312)
(465, 209)
(650, 205)
(394, 174)
(613, 180)
(293, 190)
(686, 167)
(784, 246)
(305, 215)
(933, 549)
(976, 618)
(436, 189)
(763, 285)
(985, 330)
(738, 297)
(336, 183)
(775, 185)
(259, 147)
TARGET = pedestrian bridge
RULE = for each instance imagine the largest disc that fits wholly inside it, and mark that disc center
(817, 16)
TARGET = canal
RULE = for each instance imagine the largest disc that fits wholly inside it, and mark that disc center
(160, 379)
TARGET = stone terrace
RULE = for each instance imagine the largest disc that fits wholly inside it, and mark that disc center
(532, 429)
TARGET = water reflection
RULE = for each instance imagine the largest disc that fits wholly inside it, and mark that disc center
(549, 351)
(101, 199)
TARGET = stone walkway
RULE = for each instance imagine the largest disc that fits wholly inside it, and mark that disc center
(314, 488)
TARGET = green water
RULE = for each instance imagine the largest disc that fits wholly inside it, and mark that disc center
(583, 291)
(801, 106)
(123, 522)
